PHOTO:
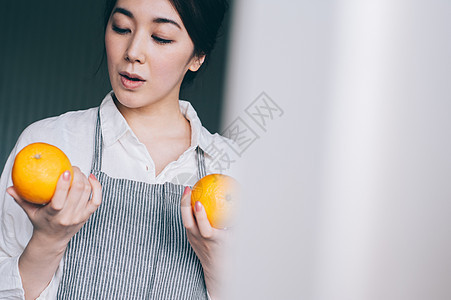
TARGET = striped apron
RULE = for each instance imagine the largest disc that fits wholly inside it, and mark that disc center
(135, 245)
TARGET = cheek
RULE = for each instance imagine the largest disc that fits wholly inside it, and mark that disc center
(113, 49)
(171, 66)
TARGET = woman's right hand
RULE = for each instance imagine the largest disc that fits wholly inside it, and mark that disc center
(54, 224)
(69, 209)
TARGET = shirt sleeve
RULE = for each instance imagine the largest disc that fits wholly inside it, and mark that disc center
(11, 237)
(15, 233)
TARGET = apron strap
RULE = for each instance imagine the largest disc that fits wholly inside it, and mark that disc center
(201, 169)
(98, 143)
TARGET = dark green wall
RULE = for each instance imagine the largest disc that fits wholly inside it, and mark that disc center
(49, 53)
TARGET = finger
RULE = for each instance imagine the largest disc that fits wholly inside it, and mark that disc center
(84, 186)
(77, 189)
(96, 198)
(187, 212)
(80, 204)
(203, 224)
(29, 208)
(186, 197)
(59, 197)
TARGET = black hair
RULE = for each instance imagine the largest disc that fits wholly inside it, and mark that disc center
(202, 20)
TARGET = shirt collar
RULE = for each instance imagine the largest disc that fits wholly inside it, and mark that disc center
(114, 125)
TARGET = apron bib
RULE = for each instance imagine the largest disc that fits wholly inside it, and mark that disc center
(135, 245)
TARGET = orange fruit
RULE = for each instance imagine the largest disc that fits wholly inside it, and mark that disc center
(218, 194)
(36, 170)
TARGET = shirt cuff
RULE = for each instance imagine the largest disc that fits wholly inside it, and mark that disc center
(10, 281)
(52, 289)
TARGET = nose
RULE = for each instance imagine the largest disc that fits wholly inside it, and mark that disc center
(136, 49)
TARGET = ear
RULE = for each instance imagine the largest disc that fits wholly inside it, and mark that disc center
(196, 63)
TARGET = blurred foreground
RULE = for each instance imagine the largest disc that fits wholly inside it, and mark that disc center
(345, 158)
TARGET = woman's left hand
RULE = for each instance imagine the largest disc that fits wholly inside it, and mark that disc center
(208, 243)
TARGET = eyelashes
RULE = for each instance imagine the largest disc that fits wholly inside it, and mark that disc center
(157, 39)
(120, 30)
(160, 40)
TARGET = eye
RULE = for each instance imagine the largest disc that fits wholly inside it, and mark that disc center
(160, 40)
(120, 30)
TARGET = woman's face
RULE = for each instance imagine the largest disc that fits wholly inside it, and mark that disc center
(149, 51)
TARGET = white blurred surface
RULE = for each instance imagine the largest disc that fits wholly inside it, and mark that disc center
(346, 193)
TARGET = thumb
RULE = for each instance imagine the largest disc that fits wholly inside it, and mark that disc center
(29, 208)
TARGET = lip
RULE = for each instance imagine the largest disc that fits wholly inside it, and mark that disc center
(131, 81)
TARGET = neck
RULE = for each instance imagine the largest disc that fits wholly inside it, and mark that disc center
(161, 119)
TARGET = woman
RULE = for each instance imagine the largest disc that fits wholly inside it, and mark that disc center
(125, 231)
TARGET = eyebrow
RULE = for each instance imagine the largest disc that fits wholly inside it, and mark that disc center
(166, 21)
(123, 11)
(156, 20)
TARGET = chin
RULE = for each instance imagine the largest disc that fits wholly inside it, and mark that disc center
(126, 98)
(134, 99)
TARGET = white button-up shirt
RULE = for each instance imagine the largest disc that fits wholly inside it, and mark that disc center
(124, 156)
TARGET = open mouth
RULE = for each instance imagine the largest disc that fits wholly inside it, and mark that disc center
(131, 78)
(131, 81)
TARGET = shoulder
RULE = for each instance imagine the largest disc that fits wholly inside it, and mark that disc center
(211, 141)
(72, 121)
(59, 128)
(72, 132)
(220, 156)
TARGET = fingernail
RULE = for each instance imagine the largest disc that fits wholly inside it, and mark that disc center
(66, 175)
(92, 176)
(186, 191)
(198, 206)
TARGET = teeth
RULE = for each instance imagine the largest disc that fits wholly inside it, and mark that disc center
(132, 79)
